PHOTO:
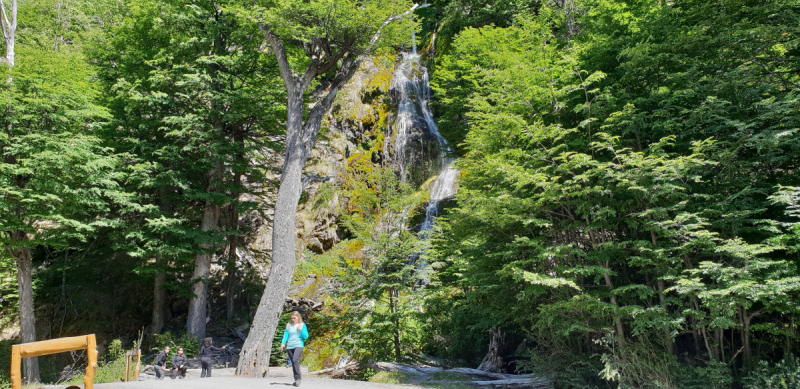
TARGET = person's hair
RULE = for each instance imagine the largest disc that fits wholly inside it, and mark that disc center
(294, 314)
(180, 348)
(166, 347)
(207, 341)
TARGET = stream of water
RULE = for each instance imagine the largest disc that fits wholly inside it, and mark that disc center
(413, 85)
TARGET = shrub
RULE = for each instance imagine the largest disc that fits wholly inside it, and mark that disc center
(110, 369)
(190, 344)
(715, 375)
(784, 375)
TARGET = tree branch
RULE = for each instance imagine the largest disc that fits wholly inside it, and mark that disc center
(349, 67)
(289, 78)
(386, 23)
(5, 23)
(311, 128)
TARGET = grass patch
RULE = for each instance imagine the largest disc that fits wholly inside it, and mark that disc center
(388, 377)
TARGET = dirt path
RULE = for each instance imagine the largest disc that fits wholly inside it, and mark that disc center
(280, 377)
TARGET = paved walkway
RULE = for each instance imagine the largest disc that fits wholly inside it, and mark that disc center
(280, 377)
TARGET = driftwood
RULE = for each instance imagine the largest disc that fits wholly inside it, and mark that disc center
(339, 371)
(404, 368)
(487, 379)
(485, 375)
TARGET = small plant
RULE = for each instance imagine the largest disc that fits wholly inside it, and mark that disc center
(276, 356)
(190, 344)
(110, 369)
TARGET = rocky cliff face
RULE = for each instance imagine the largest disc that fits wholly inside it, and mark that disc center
(357, 121)
(379, 116)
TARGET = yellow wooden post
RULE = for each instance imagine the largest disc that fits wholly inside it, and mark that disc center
(138, 365)
(16, 367)
(127, 366)
(91, 354)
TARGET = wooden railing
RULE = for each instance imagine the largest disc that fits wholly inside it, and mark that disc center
(54, 346)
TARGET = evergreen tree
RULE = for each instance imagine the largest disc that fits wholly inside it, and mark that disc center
(192, 99)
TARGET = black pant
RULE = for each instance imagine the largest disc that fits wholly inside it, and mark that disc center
(205, 363)
(159, 372)
(180, 372)
(294, 356)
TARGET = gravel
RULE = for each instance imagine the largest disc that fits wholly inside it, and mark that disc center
(280, 377)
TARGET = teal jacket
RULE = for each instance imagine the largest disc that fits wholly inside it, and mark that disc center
(294, 339)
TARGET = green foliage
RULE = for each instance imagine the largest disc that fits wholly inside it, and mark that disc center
(5, 362)
(715, 374)
(344, 26)
(276, 356)
(638, 365)
(381, 283)
(784, 374)
(58, 181)
(9, 298)
(631, 179)
(190, 344)
(111, 369)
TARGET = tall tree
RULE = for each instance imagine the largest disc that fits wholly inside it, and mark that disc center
(192, 100)
(325, 37)
(56, 181)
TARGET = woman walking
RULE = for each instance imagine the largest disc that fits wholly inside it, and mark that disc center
(205, 356)
(294, 335)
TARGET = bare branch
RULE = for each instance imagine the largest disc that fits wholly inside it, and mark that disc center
(312, 126)
(386, 23)
(5, 23)
(349, 67)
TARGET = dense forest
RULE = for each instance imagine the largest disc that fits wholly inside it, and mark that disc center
(627, 212)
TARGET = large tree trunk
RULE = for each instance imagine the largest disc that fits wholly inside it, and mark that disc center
(254, 358)
(27, 321)
(300, 139)
(493, 361)
(159, 298)
(230, 287)
(159, 293)
(196, 322)
(617, 320)
(230, 284)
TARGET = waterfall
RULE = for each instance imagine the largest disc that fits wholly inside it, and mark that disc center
(411, 85)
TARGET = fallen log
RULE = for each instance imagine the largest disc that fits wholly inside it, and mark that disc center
(513, 383)
(338, 371)
(480, 374)
(404, 368)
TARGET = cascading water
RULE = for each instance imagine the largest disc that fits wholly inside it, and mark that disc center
(414, 120)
